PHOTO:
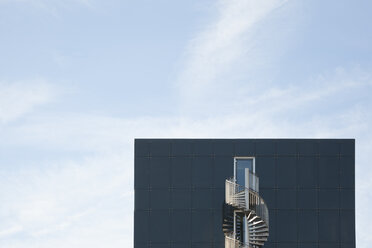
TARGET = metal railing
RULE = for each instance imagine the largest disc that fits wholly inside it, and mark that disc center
(254, 182)
(250, 211)
(236, 195)
(245, 198)
(231, 242)
(258, 205)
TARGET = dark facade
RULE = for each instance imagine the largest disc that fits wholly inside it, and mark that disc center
(307, 184)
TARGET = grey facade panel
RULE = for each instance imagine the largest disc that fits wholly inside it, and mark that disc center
(307, 184)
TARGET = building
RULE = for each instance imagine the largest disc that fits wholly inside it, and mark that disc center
(186, 193)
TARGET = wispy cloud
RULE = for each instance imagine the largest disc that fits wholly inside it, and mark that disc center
(74, 199)
(19, 98)
(10, 231)
(216, 50)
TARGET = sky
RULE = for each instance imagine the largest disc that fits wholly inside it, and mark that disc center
(80, 79)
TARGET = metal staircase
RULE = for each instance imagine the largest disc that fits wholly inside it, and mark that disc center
(245, 214)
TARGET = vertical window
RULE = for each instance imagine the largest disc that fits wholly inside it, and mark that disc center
(240, 165)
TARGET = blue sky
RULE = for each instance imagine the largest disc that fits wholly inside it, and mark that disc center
(79, 79)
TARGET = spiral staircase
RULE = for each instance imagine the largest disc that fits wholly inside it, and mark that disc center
(245, 214)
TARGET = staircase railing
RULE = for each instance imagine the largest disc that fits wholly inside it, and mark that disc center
(245, 198)
(231, 242)
(249, 213)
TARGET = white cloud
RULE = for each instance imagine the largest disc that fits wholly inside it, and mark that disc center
(19, 98)
(216, 50)
(77, 203)
(11, 230)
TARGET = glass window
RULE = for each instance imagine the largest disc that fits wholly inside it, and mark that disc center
(241, 165)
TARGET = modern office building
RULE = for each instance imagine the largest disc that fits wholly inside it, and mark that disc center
(282, 193)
